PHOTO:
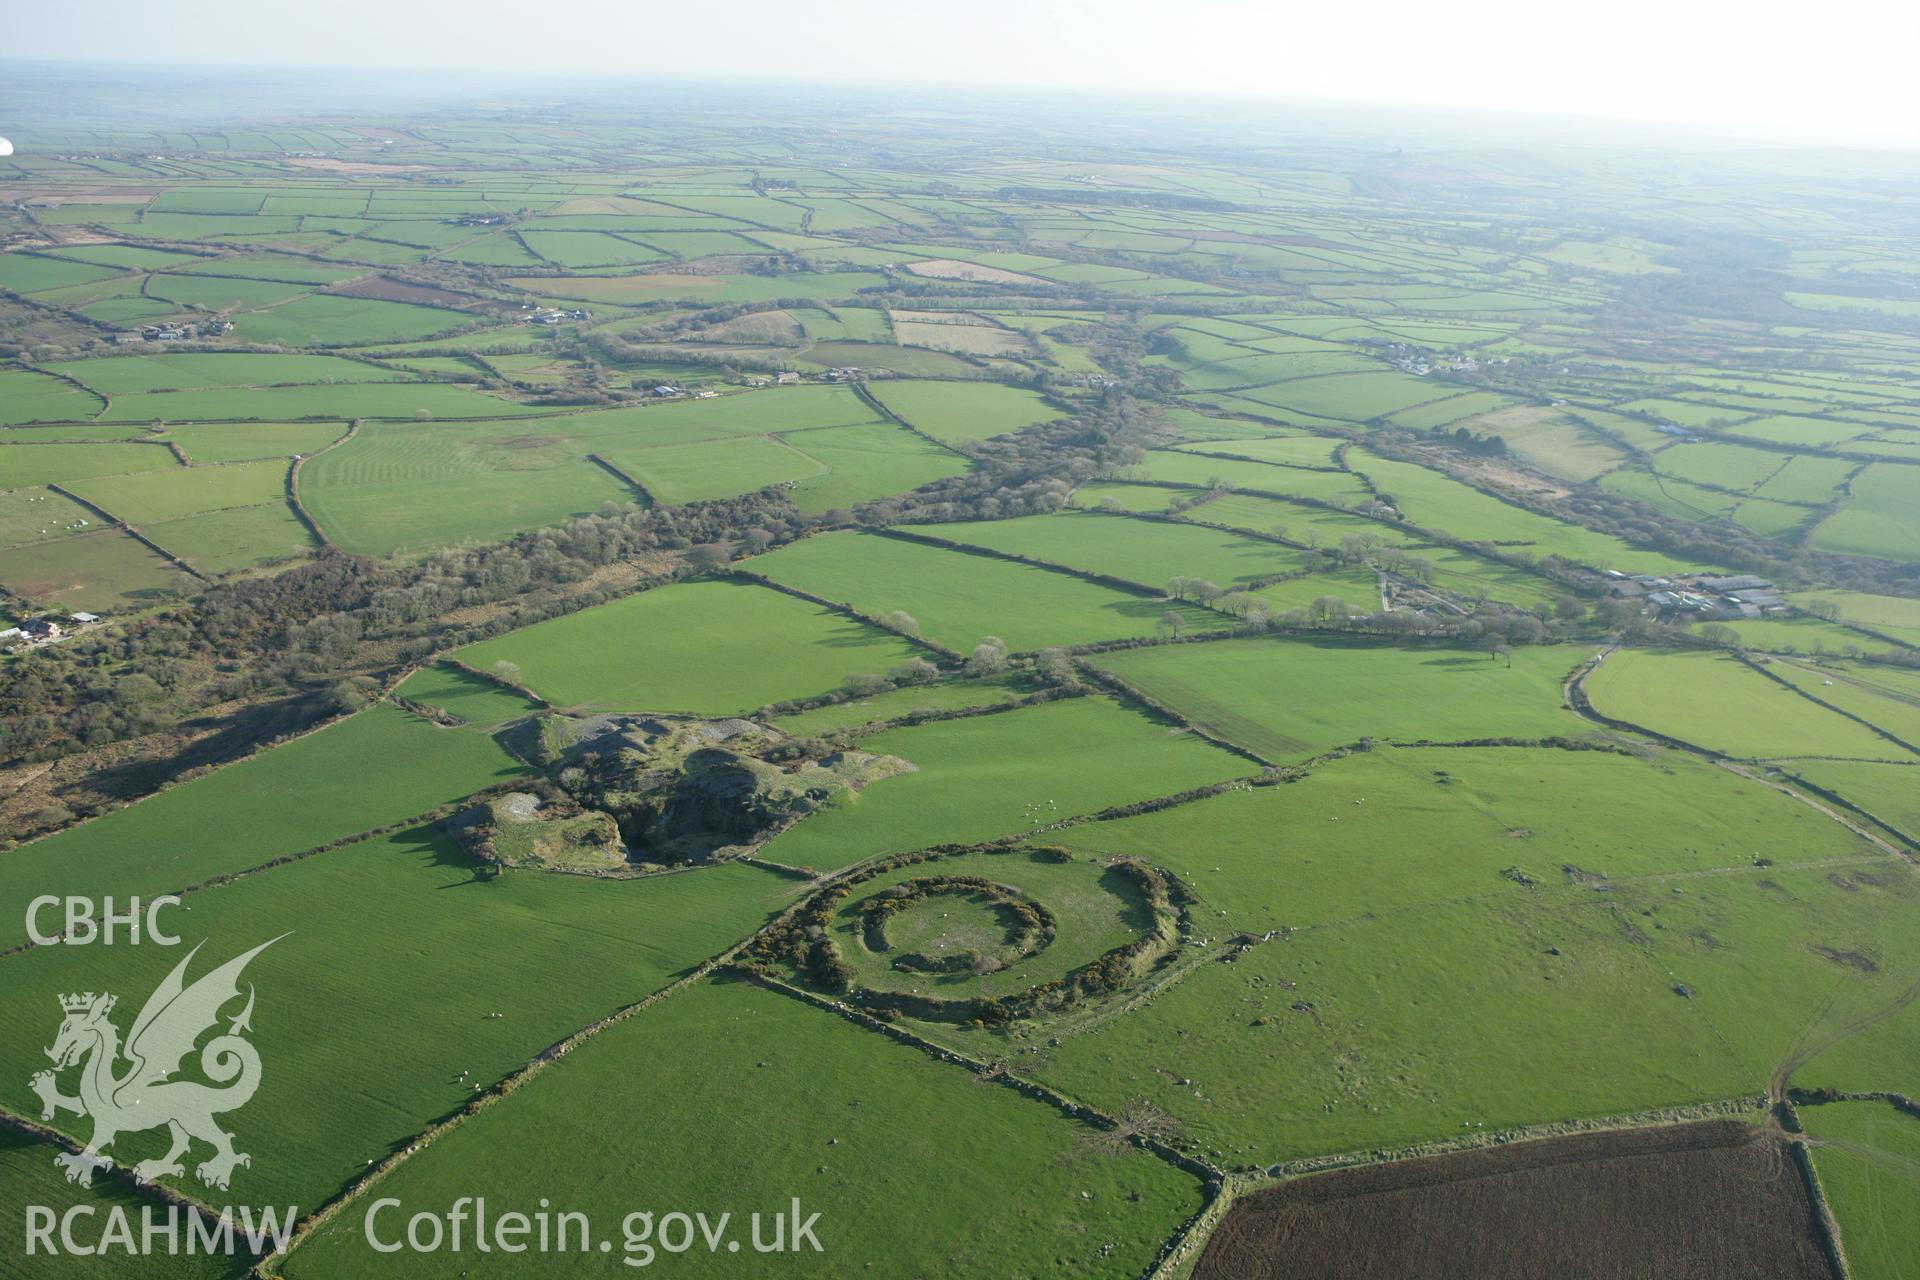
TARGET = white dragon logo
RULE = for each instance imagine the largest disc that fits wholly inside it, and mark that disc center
(174, 1017)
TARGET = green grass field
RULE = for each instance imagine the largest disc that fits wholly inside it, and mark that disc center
(1876, 520)
(1692, 697)
(662, 286)
(234, 539)
(1806, 479)
(1437, 502)
(706, 648)
(1478, 577)
(29, 273)
(852, 1109)
(906, 362)
(1352, 397)
(958, 598)
(1314, 526)
(76, 432)
(1151, 553)
(1003, 774)
(1888, 699)
(865, 462)
(479, 702)
(1285, 699)
(38, 515)
(183, 370)
(104, 569)
(1559, 445)
(953, 411)
(28, 1176)
(1358, 589)
(30, 396)
(372, 769)
(1297, 451)
(1897, 616)
(1868, 1159)
(240, 442)
(24, 465)
(1341, 844)
(1438, 1020)
(774, 411)
(167, 495)
(1176, 466)
(224, 295)
(715, 468)
(403, 401)
(824, 467)
(384, 491)
(329, 320)
(1128, 497)
(1890, 792)
(348, 922)
(1800, 634)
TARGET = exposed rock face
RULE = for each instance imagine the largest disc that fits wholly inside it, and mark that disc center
(721, 798)
(521, 830)
(671, 790)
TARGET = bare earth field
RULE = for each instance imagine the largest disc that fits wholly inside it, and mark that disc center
(1712, 1201)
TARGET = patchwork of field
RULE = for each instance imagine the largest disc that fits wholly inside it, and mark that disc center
(1877, 517)
(1435, 502)
(1206, 471)
(1105, 713)
(1145, 553)
(958, 598)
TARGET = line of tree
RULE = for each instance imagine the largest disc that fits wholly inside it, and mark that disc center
(304, 634)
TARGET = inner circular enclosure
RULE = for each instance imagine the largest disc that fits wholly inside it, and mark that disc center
(1093, 910)
(955, 929)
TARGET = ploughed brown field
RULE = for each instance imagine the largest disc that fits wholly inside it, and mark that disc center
(1712, 1201)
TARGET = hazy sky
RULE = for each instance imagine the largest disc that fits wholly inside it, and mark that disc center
(1839, 70)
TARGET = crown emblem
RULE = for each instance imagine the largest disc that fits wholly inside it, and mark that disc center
(167, 1030)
